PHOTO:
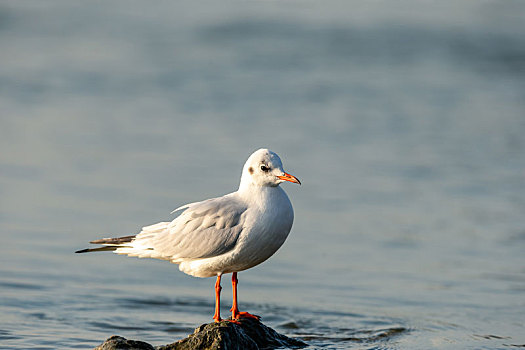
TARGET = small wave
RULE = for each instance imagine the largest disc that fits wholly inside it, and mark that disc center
(106, 325)
(358, 336)
(20, 285)
(161, 301)
(6, 335)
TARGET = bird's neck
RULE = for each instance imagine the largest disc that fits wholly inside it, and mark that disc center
(253, 193)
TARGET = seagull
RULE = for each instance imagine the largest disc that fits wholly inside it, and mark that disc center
(221, 235)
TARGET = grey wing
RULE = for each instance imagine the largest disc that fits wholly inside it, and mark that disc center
(205, 229)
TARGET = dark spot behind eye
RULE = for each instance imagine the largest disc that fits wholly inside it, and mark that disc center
(250, 169)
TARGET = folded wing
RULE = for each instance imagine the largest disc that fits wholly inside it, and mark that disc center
(204, 229)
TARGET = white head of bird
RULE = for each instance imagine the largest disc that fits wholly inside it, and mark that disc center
(264, 169)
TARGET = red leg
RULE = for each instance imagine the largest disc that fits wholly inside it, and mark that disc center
(236, 314)
(218, 288)
(235, 307)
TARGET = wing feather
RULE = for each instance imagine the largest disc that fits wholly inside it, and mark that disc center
(203, 229)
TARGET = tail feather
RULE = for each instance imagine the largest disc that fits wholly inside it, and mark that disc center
(109, 244)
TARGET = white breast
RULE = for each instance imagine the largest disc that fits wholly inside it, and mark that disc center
(266, 226)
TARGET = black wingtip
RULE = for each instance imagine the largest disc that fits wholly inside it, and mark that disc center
(99, 249)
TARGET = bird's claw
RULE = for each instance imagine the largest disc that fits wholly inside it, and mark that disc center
(242, 314)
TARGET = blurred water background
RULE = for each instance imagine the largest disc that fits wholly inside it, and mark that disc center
(405, 121)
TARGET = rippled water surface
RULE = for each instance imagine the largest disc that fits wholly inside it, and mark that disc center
(405, 122)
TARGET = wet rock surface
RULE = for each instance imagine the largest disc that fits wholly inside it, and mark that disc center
(247, 335)
(115, 342)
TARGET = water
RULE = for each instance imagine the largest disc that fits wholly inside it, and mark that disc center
(404, 122)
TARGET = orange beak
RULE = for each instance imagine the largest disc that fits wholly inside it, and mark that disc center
(291, 178)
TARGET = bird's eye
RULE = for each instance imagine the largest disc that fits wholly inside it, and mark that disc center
(265, 168)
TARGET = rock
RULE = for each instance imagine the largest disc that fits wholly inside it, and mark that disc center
(249, 334)
(118, 343)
